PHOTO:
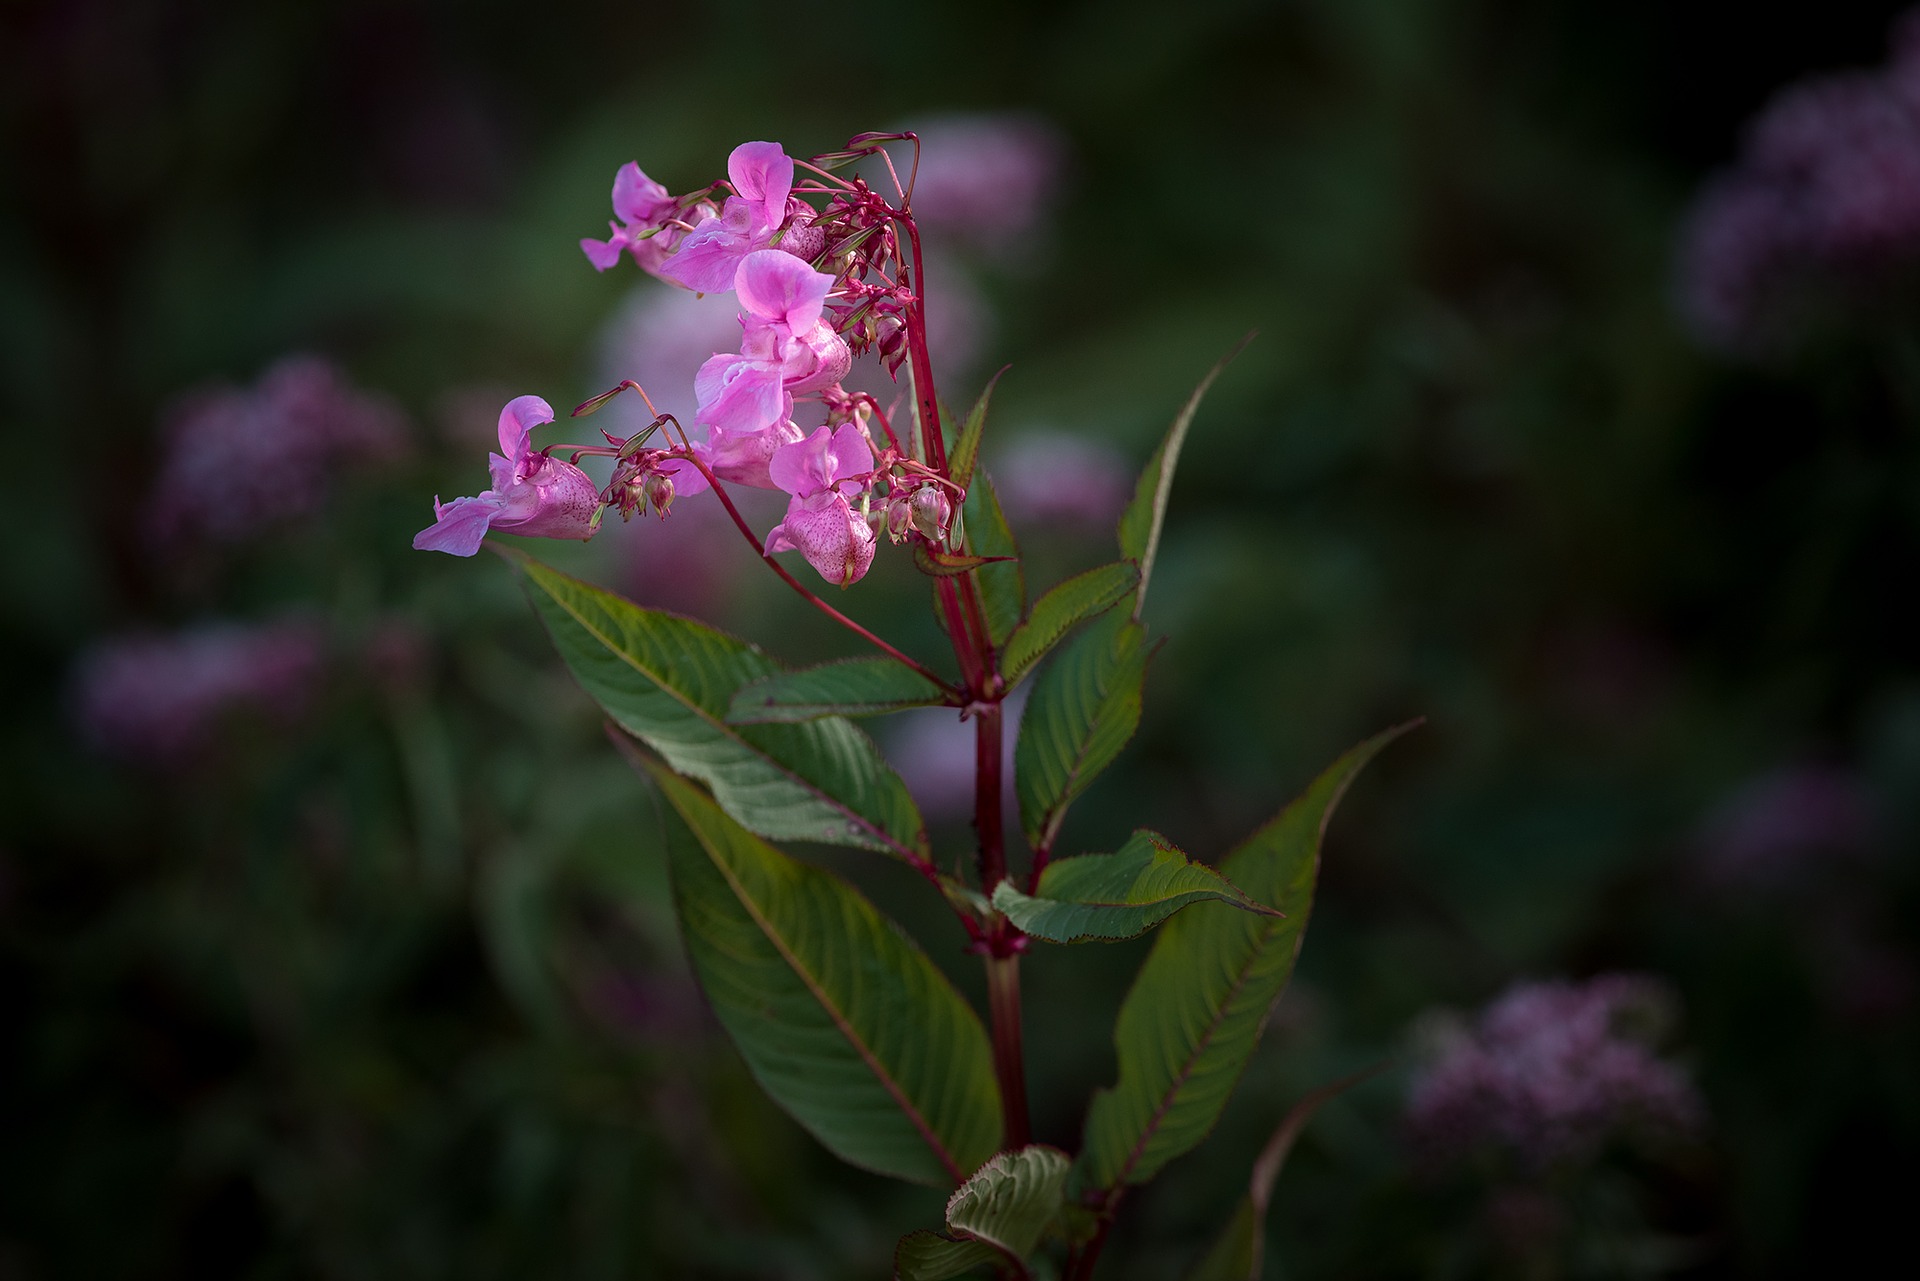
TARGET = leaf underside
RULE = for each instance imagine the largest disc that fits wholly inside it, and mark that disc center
(1194, 1013)
(842, 1019)
(1116, 896)
(996, 1217)
(670, 681)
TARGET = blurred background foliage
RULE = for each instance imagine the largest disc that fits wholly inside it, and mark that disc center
(379, 979)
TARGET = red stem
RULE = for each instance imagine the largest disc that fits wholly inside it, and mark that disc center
(1003, 999)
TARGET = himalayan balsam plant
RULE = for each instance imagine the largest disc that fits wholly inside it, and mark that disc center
(844, 1020)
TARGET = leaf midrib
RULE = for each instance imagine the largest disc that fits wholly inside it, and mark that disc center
(1186, 1068)
(840, 1021)
(728, 731)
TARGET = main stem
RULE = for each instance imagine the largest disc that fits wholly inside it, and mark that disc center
(959, 599)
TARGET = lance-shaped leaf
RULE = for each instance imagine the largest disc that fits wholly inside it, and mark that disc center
(1119, 895)
(843, 1020)
(1236, 1253)
(1003, 583)
(966, 450)
(1055, 613)
(852, 687)
(1194, 1013)
(1140, 523)
(1085, 706)
(996, 1217)
(669, 681)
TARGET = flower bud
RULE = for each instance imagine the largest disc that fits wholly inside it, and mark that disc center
(659, 491)
(899, 516)
(931, 512)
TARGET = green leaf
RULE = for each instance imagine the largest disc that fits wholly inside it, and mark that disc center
(1140, 523)
(852, 687)
(669, 681)
(842, 1019)
(1235, 1253)
(966, 451)
(1055, 613)
(1085, 706)
(1116, 896)
(934, 1256)
(1005, 1207)
(1194, 1013)
(1003, 584)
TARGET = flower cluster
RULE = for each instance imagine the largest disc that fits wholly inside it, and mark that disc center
(158, 698)
(1822, 211)
(1550, 1073)
(239, 459)
(823, 269)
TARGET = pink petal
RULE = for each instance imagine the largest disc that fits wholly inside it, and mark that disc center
(775, 285)
(762, 173)
(737, 394)
(803, 468)
(636, 197)
(744, 456)
(687, 478)
(603, 253)
(851, 456)
(517, 421)
(706, 260)
(459, 526)
(563, 501)
(833, 538)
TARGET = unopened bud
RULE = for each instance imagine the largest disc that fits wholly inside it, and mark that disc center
(891, 333)
(931, 512)
(899, 516)
(659, 490)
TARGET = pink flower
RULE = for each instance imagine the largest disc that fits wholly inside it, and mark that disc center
(643, 207)
(787, 346)
(532, 494)
(822, 472)
(762, 177)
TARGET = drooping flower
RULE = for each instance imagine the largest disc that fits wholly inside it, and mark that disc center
(706, 260)
(787, 346)
(822, 473)
(643, 208)
(532, 494)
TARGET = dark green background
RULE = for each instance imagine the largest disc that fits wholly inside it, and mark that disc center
(320, 1005)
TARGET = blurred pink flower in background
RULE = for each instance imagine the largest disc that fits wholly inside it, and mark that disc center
(1064, 479)
(932, 750)
(239, 460)
(1550, 1073)
(1785, 826)
(987, 182)
(1820, 215)
(159, 698)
